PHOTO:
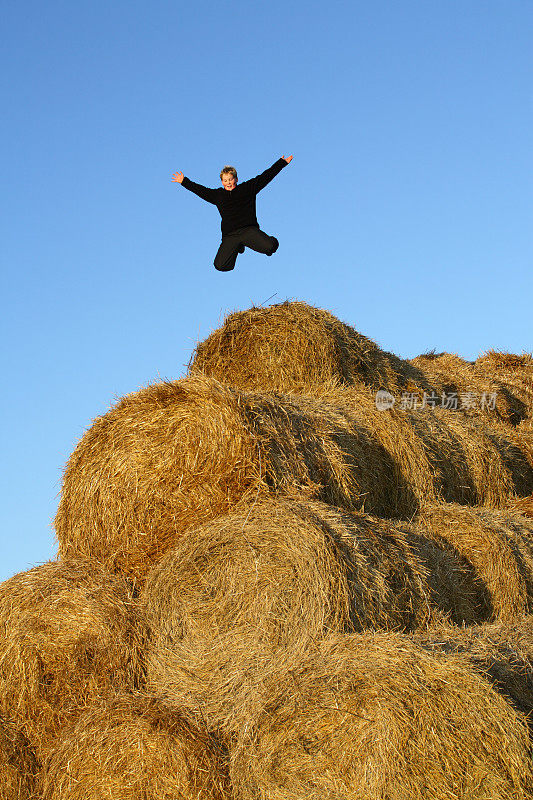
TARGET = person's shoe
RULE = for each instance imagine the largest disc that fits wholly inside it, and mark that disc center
(241, 248)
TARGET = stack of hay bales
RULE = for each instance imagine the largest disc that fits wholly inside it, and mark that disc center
(268, 587)
(178, 454)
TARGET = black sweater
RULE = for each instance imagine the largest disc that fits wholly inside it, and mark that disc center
(236, 207)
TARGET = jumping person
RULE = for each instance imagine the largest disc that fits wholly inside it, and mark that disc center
(236, 205)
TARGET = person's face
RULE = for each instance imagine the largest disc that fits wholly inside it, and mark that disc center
(229, 182)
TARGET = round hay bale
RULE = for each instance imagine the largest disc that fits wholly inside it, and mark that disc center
(370, 716)
(18, 764)
(133, 747)
(69, 631)
(174, 455)
(292, 347)
(502, 653)
(498, 548)
(449, 374)
(514, 375)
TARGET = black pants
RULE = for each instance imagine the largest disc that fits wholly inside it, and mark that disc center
(250, 237)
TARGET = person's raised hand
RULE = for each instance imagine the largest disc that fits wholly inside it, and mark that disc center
(177, 177)
(288, 159)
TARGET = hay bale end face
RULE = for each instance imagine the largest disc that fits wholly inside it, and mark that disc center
(372, 716)
(69, 632)
(133, 747)
(18, 764)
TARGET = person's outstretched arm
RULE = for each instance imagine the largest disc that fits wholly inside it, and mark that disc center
(197, 188)
(265, 177)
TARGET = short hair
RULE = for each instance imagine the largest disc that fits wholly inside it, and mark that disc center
(231, 170)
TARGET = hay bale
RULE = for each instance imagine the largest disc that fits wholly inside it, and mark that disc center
(449, 374)
(497, 546)
(18, 764)
(292, 347)
(133, 747)
(502, 653)
(371, 716)
(69, 632)
(472, 462)
(514, 375)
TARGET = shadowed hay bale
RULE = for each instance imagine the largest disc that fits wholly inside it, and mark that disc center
(283, 574)
(18, 765)
(498, 547)
(503, 653)
(69, 631)
(292, 347)
(134, 748)
(373, 716)
(514, 372)
(476, 392)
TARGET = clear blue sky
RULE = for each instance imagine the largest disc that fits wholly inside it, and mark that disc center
(406, 210)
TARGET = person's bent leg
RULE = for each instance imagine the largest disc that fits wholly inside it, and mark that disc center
(259, 241)
(227, 254)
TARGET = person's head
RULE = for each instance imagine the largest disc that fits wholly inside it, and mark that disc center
(228, 176)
